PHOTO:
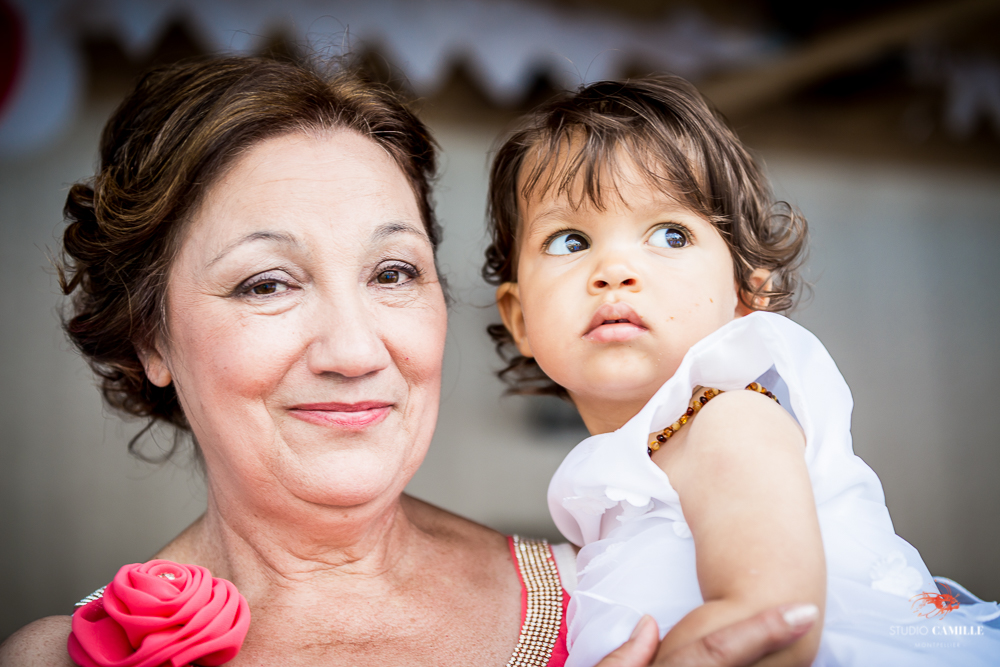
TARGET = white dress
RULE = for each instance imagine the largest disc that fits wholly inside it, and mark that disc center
(638, 556)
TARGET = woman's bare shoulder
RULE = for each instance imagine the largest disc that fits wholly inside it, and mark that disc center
(42, 643)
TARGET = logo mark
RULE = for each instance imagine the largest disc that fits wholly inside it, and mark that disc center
(934, 605)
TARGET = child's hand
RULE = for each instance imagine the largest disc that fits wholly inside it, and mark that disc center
(736, 645)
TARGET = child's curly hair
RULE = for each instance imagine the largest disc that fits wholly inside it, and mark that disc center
(680, 145)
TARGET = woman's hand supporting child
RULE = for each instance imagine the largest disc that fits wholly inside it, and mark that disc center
(738, 645)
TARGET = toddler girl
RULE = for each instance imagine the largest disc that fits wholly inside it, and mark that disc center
(640, 261)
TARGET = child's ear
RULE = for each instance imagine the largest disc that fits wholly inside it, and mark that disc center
(509, 305)
(156, 366)
(758, 279)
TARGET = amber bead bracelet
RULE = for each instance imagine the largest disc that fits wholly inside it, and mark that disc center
(695, 406)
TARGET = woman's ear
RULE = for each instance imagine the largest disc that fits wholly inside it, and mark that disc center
(758, 279)
(156, 366)
(509, 305)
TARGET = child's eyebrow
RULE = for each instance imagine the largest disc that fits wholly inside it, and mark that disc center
(540, 223)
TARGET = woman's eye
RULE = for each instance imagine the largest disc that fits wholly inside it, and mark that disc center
(668, 237)
(270, 287)
(568, 243)
(387, 277)
(396, 274)
(265, 285)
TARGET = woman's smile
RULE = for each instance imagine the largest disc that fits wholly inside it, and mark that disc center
(350, 416)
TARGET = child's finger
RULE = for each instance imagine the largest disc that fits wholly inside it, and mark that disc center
(746, 642)
(640, 648)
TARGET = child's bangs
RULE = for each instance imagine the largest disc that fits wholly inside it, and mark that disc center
(587, 166)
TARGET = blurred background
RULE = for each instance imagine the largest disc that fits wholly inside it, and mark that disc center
(879, 119)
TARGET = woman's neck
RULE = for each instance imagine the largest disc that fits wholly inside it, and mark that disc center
(399, 588)
(294, 542)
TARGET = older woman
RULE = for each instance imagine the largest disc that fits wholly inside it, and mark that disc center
(254, 263)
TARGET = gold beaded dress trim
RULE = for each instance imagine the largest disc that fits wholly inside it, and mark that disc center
(99, 593)
(545, 604)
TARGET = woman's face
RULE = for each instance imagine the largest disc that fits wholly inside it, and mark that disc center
(306, 324)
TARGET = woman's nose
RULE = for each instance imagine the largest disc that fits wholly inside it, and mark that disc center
(347, 342)
(615, 274)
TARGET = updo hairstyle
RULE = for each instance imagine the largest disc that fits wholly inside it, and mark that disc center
(173, 136)
(577, 142)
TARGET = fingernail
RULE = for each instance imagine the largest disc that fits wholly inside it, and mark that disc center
(800, 614)
(638, 626)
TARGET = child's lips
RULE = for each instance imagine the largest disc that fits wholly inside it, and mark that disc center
(618, 332)
(614, 323)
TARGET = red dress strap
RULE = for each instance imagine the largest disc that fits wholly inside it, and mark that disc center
(542, 642)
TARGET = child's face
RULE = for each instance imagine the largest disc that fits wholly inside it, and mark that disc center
(609, 301)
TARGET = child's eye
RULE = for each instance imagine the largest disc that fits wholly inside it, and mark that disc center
(567, 243)
(668, 237)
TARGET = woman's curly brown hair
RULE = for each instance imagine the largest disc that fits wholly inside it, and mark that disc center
(664, 127)
(174, 135)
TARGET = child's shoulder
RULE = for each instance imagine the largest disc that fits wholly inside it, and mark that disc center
(734, 417)
(744, 426)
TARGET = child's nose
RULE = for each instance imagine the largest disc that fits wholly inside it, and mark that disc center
(615, 276)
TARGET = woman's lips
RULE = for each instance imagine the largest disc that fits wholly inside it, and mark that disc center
(352, 416)
(614, 323)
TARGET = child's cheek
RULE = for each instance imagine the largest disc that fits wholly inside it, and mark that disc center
(551, 337)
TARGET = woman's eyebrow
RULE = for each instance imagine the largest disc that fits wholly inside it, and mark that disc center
(385, 230)
(276, 237)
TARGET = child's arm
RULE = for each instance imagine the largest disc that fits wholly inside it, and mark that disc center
(745, 491)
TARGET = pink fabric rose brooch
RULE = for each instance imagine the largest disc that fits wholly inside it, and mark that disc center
(160, 613)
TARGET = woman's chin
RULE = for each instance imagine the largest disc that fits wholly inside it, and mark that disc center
(347, 479)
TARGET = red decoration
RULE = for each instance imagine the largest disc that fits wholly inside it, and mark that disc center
(161, 613)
